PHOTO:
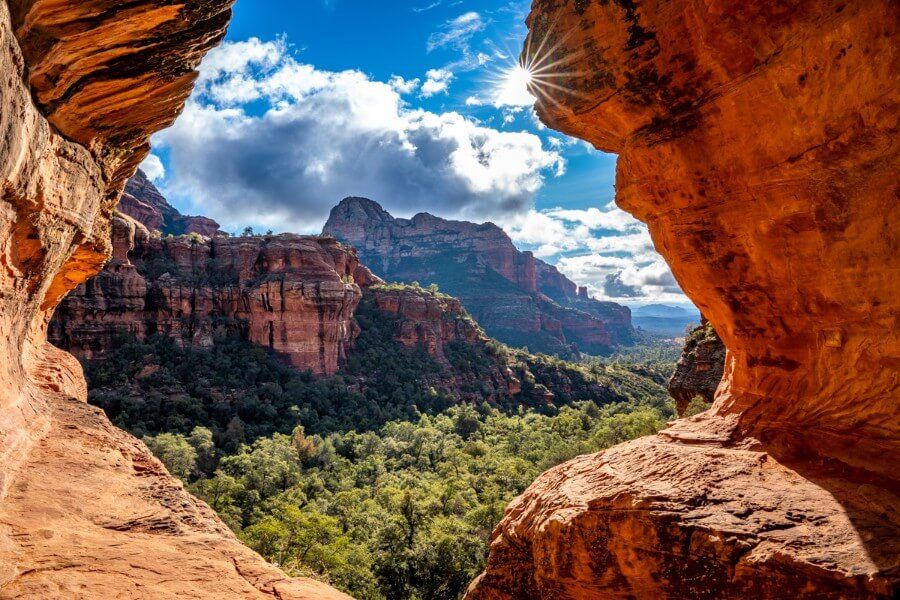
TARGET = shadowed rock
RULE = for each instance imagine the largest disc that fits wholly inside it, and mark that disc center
(86, 511)
(759, 142)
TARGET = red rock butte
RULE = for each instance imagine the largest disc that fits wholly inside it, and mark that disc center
(85, 510)
(759, 142)
(294, 294)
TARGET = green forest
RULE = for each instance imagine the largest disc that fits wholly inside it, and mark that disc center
(387, 478)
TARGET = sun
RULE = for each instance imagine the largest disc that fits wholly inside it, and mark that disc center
(511, 88)
(539, 74)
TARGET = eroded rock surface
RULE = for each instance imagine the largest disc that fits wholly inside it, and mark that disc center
(85, 510)
(700, 368)
(293, 294)
(518, 299)
(428, 320)
(759, 142)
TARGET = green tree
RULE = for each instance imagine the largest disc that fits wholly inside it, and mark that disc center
(175, 452)
(201, 440)
(223, 493)
(466, 421)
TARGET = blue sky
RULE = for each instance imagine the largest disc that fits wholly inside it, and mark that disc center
(415, 104)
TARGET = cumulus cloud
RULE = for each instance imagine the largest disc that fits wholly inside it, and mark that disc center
(610, 217)
(403, 86)
(626, 277)
(437, 81)
(153, 168)
(269, 141)
(605, 249)
(558, 230)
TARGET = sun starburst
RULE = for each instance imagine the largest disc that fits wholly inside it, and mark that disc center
(541, 73)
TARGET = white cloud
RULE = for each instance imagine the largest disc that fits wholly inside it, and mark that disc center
(622, 278)
(611, 217)
(153, 168)
(427, 7)
(607, 250)
(403, 86)
(268, 141)
(437, 81)
(457, 32)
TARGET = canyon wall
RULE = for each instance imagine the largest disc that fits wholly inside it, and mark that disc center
(85, 510)
(437, 324)
(428, 320)
(293, 294)
(517, 298)
(759, 142)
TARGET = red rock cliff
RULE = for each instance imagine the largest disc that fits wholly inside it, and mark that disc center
(517, 298)
(759, 142)
(428, 320)
(438, 325)
(86, 511)
(293, 294)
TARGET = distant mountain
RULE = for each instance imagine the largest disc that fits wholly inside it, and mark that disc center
(142, 202)
(517, 298)
(664, 320)
(664, 311)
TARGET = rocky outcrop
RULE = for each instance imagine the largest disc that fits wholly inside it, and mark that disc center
(142, 202)
(427, 320)
(699, 370)
(459, 363)
(437, 324)
(86, 511)
(293, 294)
(517, 298)
(759, 142)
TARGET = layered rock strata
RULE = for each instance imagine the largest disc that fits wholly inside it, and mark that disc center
(517, 298)
(759, 142)
(293, 294)
(85, 510)
(435, 322)
(428, 320)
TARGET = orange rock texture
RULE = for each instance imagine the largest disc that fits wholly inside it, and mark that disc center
(759, 142)
(85, 510)
(293, 294)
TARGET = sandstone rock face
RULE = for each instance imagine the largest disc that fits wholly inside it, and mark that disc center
(433, 322)
(700, 368)
(517, 298)
(428, 320)
(293, 294)
(85, 510)
(142, 202)
(759, 142)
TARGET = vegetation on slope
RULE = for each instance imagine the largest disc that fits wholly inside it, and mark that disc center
(386, 479)
(402, 512)
(241, 391)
